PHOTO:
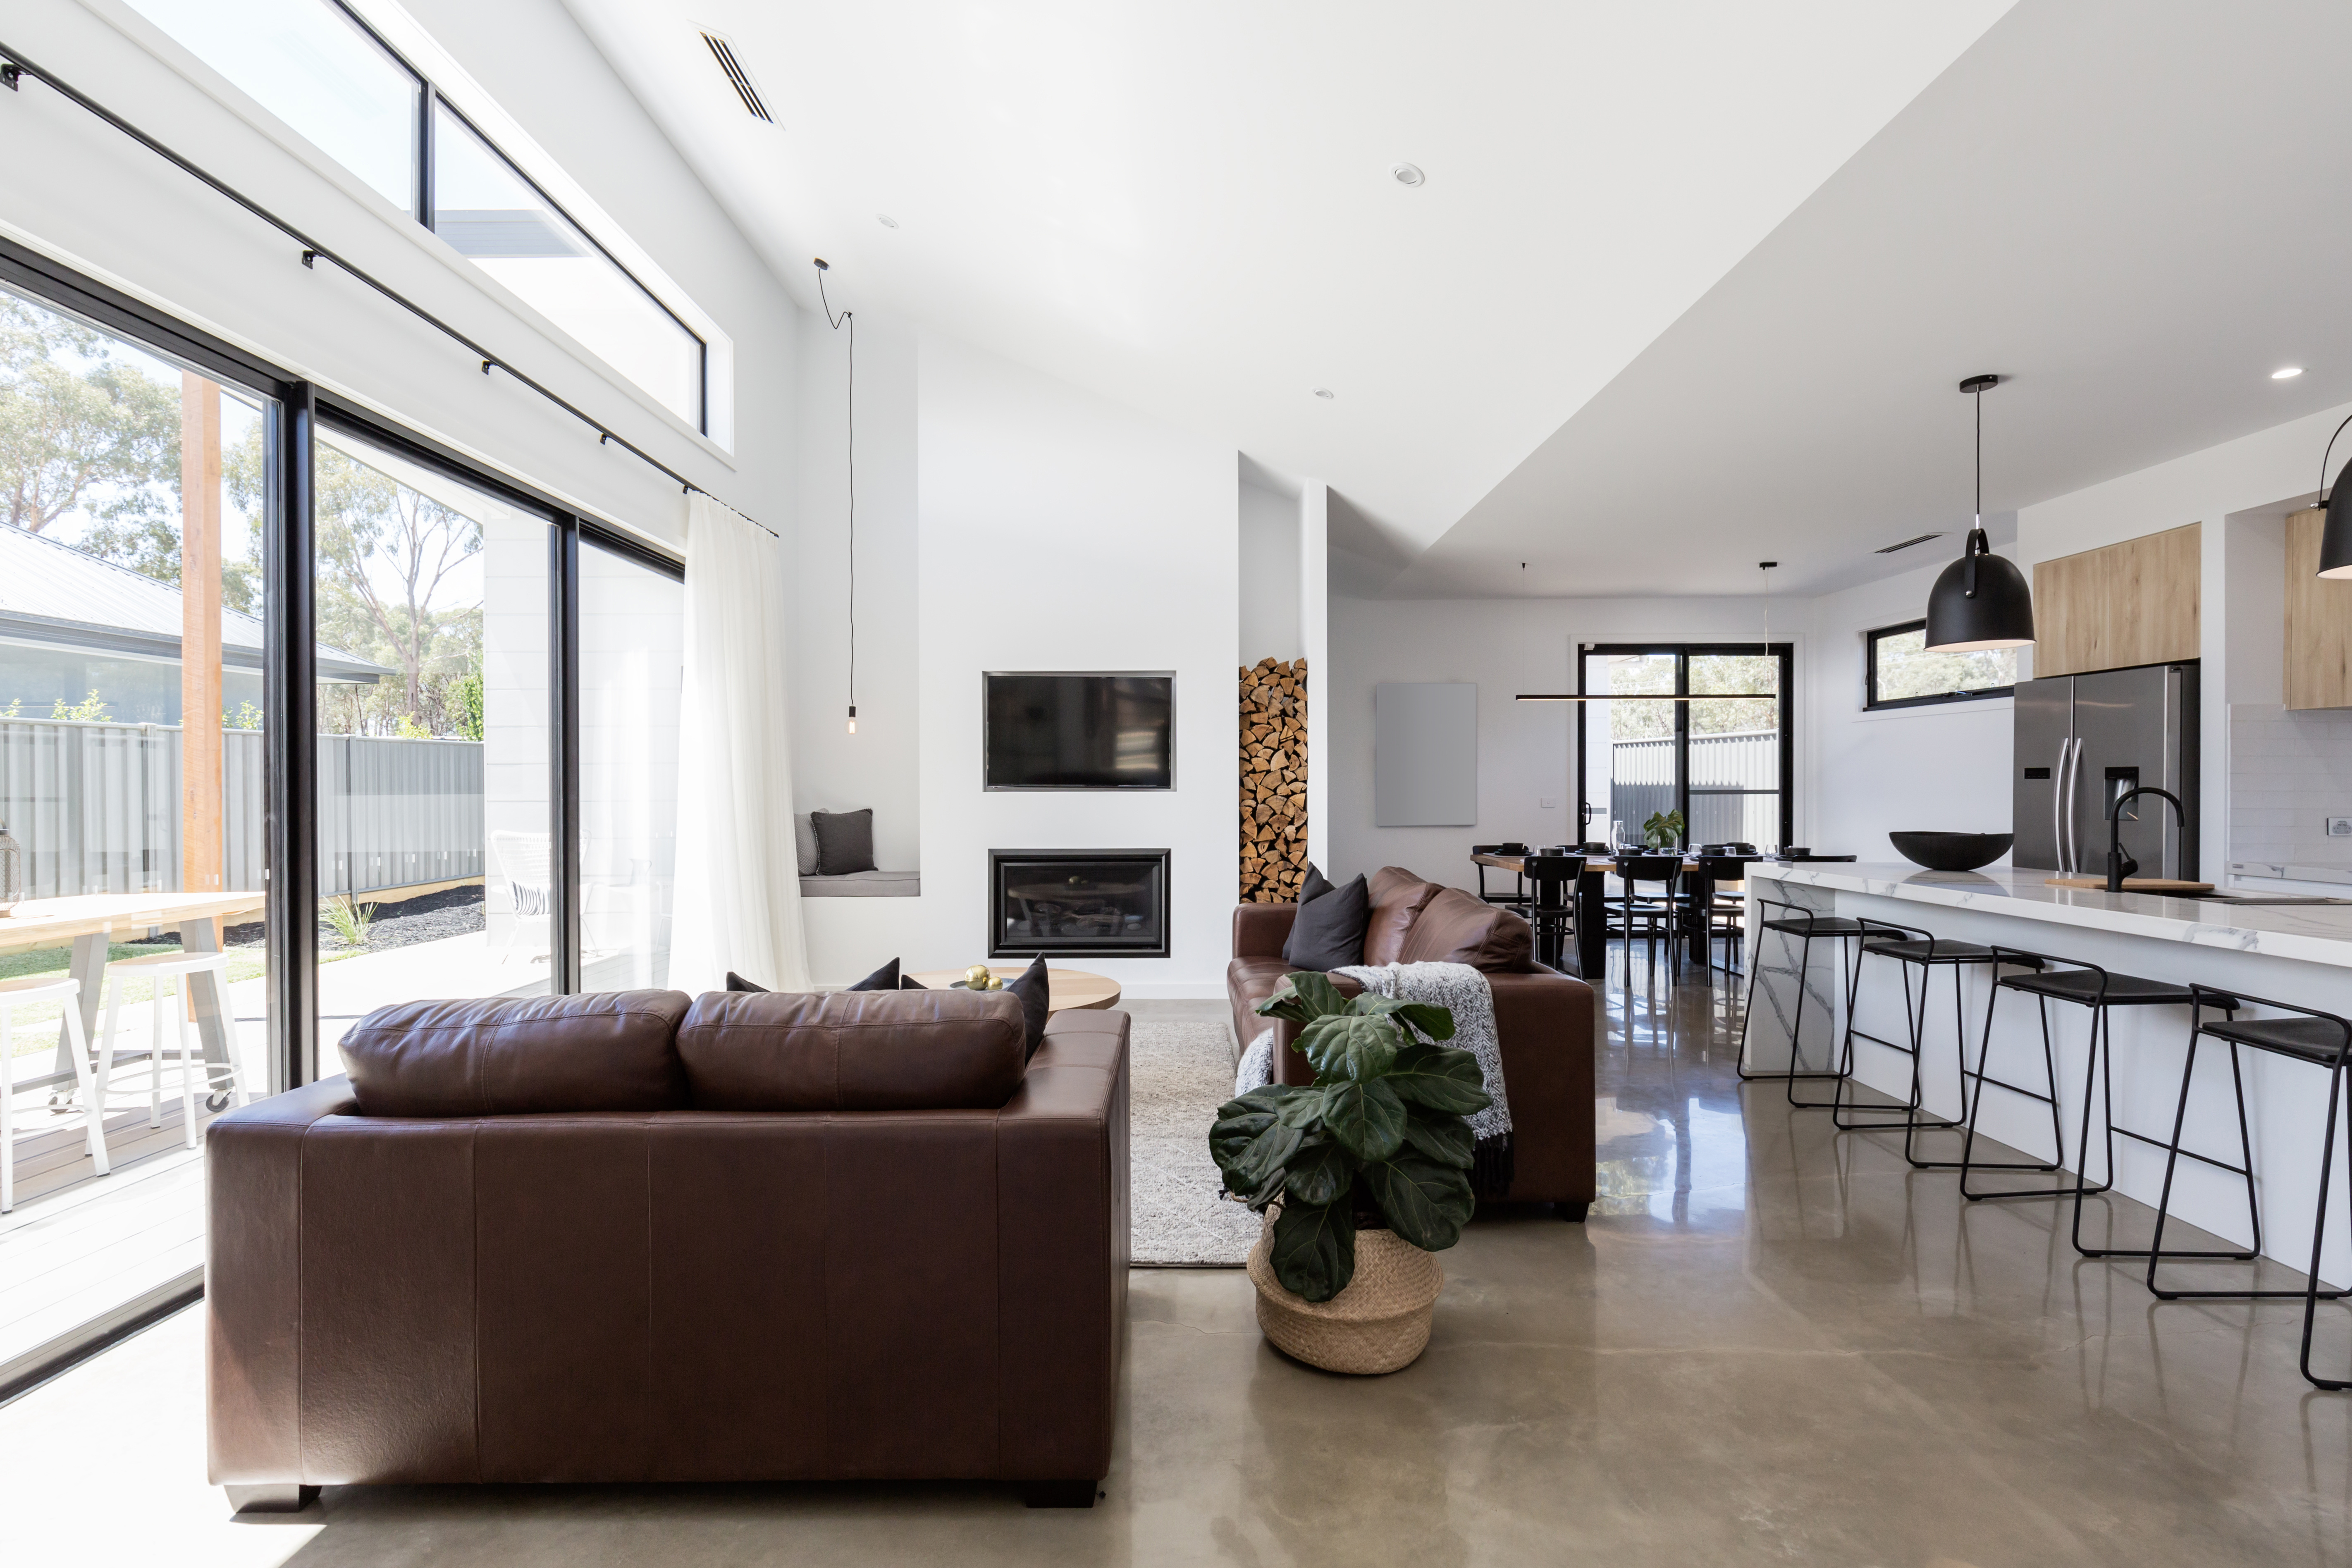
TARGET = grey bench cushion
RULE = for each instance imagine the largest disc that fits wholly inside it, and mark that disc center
(864, 885)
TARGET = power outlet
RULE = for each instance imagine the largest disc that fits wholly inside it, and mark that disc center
(1548, 804)
(2339, 827)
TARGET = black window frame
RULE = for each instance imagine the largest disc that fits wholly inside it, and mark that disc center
(1872, 703)
(290, 611)
(427, 147)
(1785, 655)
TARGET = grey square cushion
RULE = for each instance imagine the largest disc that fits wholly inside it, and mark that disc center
(805, 842)
(844, 841)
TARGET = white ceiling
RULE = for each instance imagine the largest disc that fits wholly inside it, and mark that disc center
(1687, 286)
(2136, 210)
(1189, 208)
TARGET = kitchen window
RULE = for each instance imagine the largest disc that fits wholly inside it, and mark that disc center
(1900, 671)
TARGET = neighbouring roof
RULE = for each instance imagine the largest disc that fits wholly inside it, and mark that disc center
(54, 594)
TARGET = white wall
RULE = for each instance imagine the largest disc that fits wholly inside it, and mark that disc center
(1271, 566)
(1526, 750)
(160, 235)
(834, 770)
(1938, 768)
(1057, 530)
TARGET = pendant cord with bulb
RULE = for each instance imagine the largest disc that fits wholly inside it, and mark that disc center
(848, 318)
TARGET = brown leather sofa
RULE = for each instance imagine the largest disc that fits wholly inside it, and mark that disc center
(625, 1237)
(1543, 1018)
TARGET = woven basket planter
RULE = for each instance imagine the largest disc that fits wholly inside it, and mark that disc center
(1379, 1323)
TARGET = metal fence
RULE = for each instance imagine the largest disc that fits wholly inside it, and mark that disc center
(96, 808)
(1734, 785)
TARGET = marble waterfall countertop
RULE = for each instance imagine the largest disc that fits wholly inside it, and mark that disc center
(2313, 933)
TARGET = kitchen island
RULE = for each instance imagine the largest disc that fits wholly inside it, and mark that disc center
(2298, 952)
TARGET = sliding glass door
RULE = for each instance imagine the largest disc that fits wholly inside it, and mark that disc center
(298, 701)
(1697, 731)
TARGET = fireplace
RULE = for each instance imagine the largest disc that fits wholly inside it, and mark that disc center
(1078, 903)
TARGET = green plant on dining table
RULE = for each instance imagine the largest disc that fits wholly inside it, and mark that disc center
(1664, 830)
(1378, 1139)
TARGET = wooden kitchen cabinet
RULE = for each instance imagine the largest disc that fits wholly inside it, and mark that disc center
(2127, 604)
(2318, 621)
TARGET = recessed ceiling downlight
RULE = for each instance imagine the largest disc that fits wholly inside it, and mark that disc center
(1407, 175)
(2286, 373)
(1324, 393)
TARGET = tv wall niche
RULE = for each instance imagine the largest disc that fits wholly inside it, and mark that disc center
(1078, 730)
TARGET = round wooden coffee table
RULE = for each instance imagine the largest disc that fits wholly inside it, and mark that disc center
(1065, 988)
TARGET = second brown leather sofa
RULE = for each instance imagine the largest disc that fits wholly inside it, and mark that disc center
(1543, 1019)
(622, 1237)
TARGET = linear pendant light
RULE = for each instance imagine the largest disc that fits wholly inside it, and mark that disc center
(1981, 601)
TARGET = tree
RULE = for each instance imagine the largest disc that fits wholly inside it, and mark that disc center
(384, 553)
(81, 428)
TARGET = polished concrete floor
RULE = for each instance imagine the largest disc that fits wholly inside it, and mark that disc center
(1770, 1344)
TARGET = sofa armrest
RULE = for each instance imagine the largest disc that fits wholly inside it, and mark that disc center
(253, 1274)
(1062, 1251)
(1543, 1020)
(1260, 930)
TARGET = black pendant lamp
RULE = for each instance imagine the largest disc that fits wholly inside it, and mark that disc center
(2336, 539)
(1981, 601)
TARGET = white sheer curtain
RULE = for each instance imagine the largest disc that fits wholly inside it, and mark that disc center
(739, 890)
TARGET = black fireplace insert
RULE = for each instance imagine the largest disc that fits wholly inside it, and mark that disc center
(1078, 903)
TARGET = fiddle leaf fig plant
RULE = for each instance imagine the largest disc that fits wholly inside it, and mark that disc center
(1378, 1140)
(1664, 830)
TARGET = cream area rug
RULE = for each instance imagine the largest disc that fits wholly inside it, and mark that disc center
(1180, 1072)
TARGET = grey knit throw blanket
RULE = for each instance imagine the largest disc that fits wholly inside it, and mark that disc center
(1462, 992)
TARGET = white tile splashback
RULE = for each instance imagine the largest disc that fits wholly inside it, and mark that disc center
(2289, 772)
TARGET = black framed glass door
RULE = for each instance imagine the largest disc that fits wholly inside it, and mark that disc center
(1702, 730)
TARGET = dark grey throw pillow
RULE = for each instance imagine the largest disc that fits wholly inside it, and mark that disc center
(1329, 931)
(737, 983)
(844, 841)
(883, 979)
(1035, 996)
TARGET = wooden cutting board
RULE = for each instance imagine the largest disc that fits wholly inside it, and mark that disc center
(2134, 884)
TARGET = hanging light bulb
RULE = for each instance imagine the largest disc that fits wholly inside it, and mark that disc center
(1981, 601)
(852, 718)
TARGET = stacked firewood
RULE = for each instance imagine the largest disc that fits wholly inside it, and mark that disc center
(1274, 781)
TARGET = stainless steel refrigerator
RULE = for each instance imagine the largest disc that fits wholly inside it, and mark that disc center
(2081, 741)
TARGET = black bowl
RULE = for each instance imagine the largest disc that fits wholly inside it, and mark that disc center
(1951, 851)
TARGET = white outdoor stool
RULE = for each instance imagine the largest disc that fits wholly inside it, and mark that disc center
(15, 993)
(159, 967)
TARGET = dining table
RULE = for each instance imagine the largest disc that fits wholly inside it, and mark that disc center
(92, 921)
(1592, 901)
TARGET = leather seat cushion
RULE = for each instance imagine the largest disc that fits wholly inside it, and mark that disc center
(861, 1050)
(1456, 927)
(1398, 899)
(612, 1050)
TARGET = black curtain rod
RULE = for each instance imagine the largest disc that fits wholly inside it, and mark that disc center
(14, 66)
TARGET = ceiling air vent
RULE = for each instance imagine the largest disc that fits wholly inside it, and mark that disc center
(1905, 543)
(723, 50)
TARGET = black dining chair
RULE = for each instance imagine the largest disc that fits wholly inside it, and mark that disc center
(1651, 917)
(1515, 900)
(1725, 916)
(1552, 908)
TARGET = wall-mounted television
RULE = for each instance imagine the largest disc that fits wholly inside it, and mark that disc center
(1080, 729)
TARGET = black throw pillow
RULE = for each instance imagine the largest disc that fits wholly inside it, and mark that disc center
(737, 983)
(1329, 931)
(883, 979)
(844, 841)
(1034, 993)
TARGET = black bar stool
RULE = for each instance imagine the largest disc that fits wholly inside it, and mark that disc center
(2051, 979)
(1553, 906)
(2324, 1040)
(1910, 946)
(1806, 924)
